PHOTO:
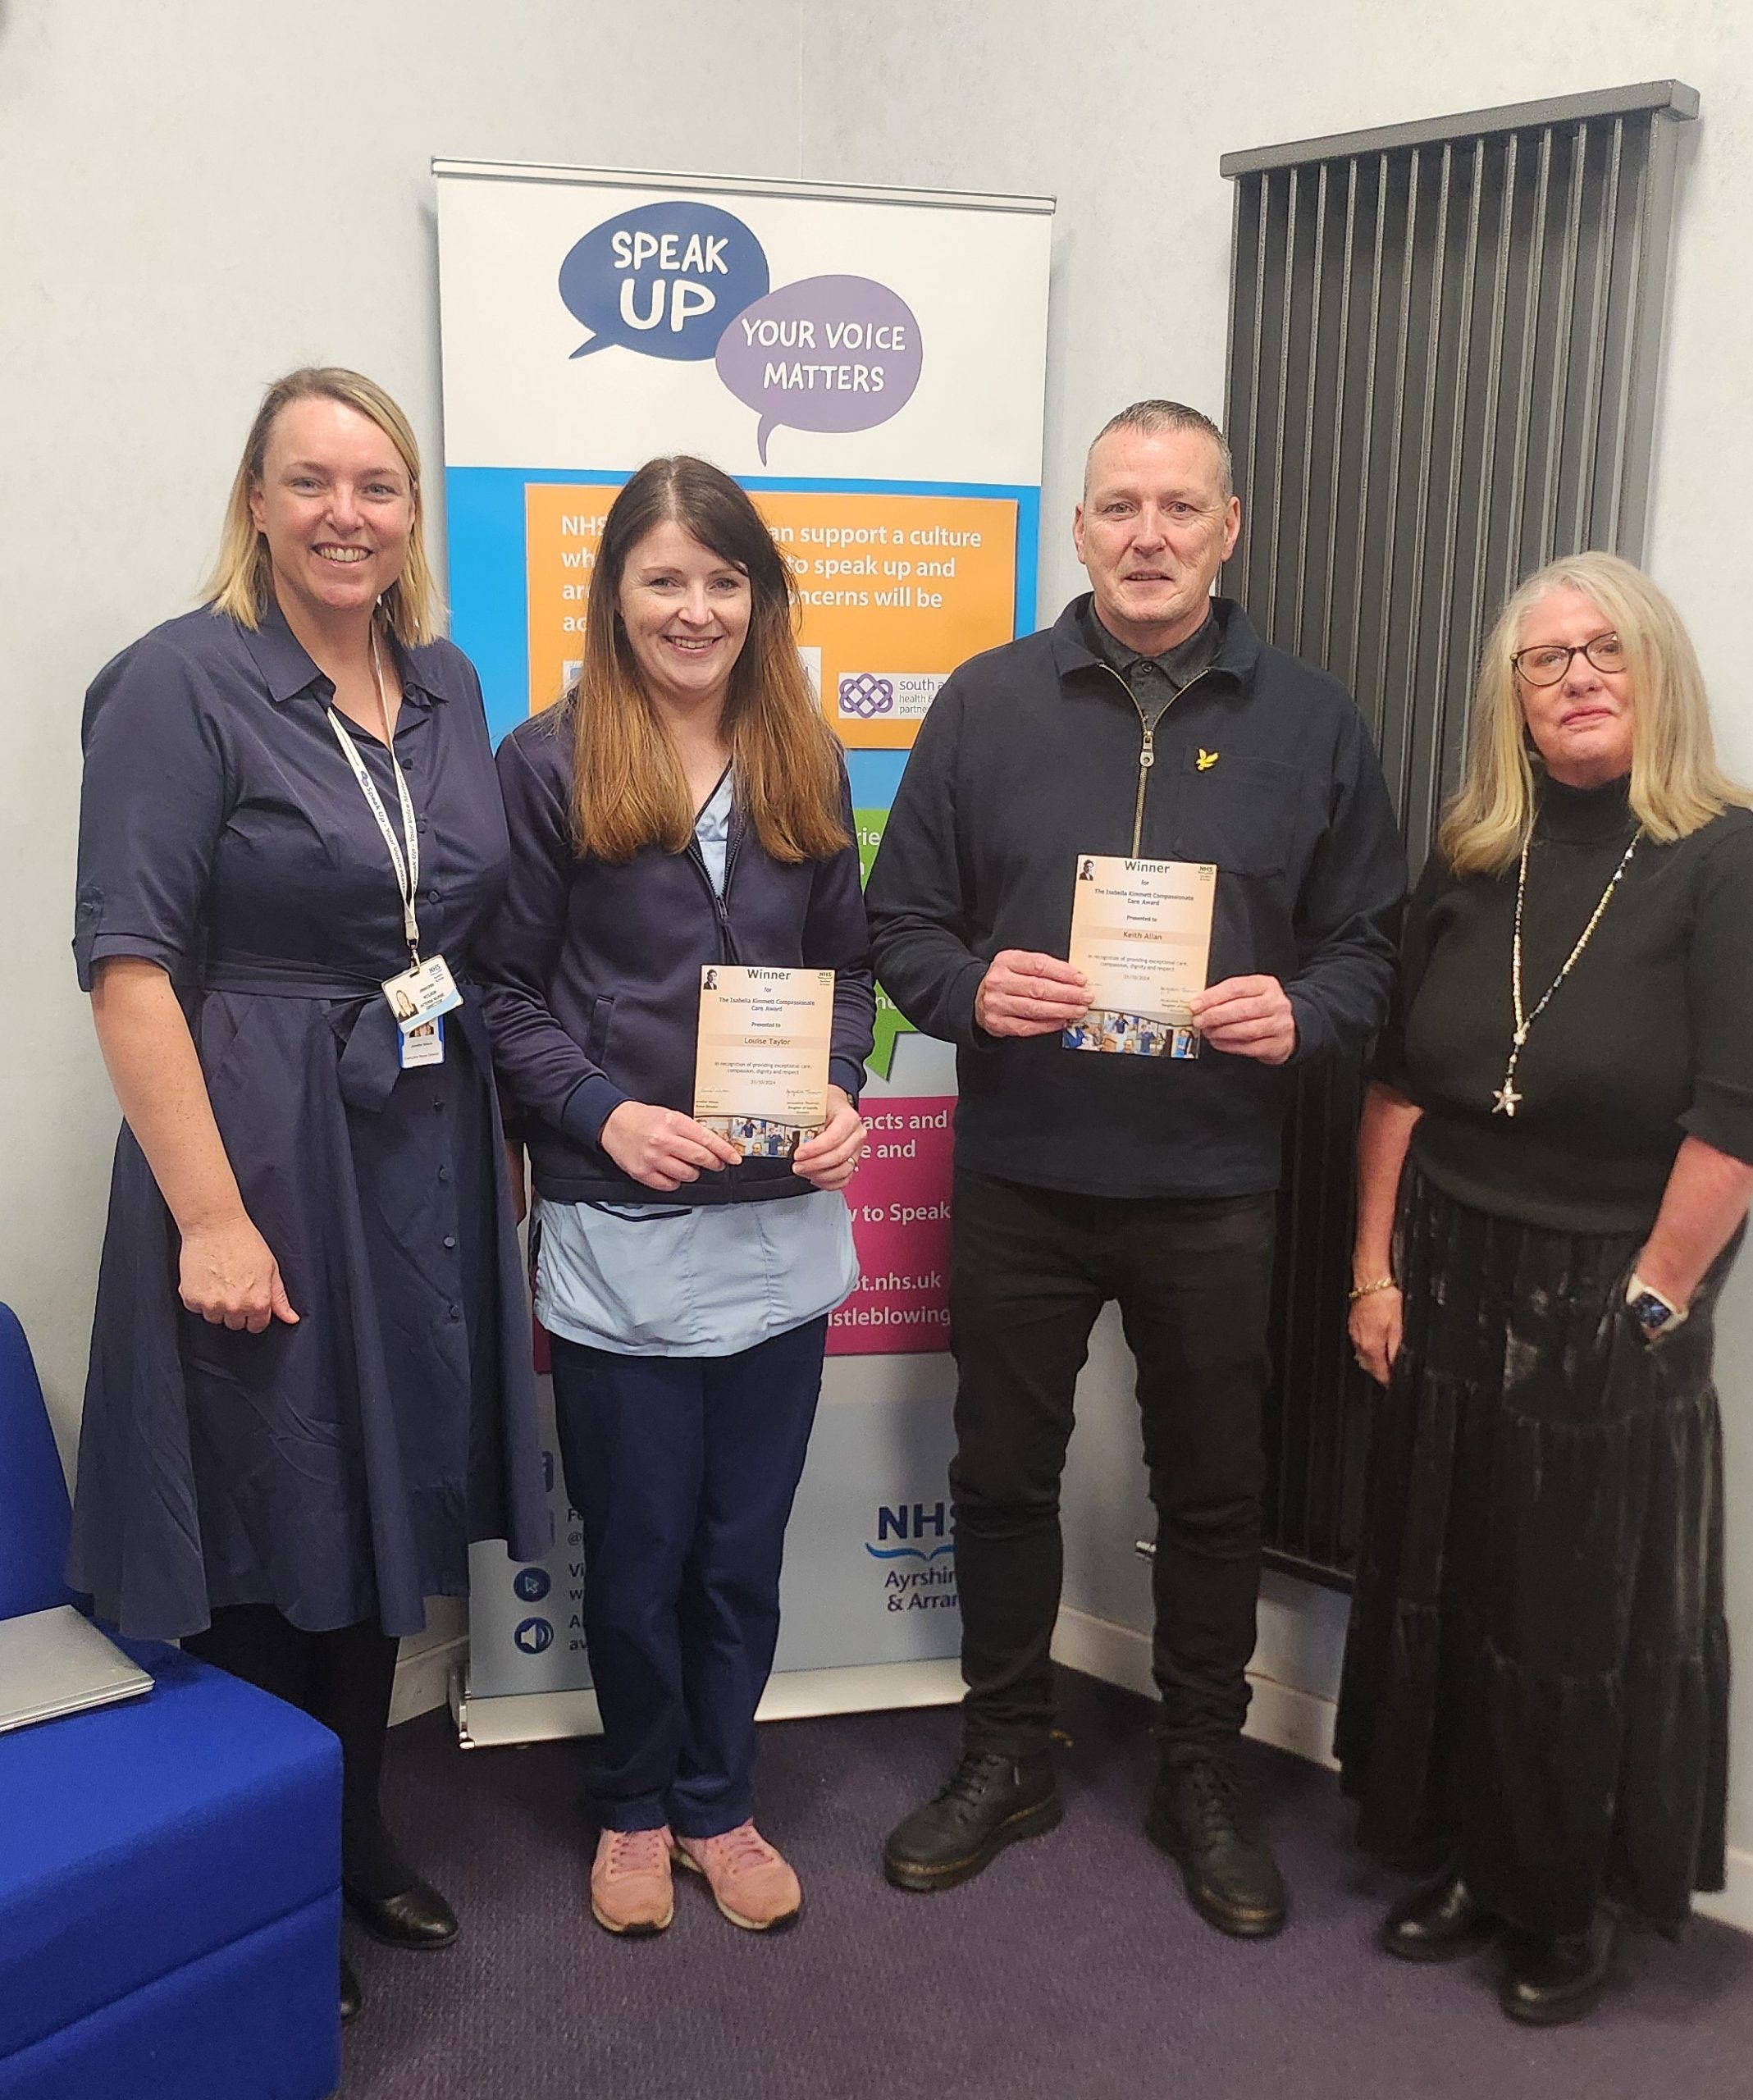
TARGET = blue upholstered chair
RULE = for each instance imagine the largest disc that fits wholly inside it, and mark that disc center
(170, 1868)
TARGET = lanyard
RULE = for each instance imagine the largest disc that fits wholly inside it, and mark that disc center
(407, 866)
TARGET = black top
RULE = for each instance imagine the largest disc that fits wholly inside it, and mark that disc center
(1650, 1036)
(1028, 758)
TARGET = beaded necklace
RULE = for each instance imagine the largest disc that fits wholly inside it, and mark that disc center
(1506, 1100)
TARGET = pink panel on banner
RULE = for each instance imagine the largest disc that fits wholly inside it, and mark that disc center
(900, 1200)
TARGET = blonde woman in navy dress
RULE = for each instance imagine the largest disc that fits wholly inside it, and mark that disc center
(309, 1386)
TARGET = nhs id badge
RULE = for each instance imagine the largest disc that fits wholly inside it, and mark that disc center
(422, 1044)
(423, 993)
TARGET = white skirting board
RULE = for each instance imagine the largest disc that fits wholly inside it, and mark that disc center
(795, 1694)
(1301, 1722)
(1279, 1714)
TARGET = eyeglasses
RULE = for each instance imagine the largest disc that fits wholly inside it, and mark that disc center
(1546, 664)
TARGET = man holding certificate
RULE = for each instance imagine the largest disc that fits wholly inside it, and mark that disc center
(1144, 834)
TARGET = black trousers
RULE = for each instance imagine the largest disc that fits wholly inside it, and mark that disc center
(1029, 1270)
(343, 1679)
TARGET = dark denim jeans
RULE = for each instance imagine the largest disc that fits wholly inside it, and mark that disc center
(682, 1470)
(1030, 1270)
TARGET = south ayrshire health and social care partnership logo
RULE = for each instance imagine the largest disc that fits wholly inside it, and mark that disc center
(688, 282)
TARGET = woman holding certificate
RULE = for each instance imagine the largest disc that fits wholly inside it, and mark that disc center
(681, 1005)
(310, 1384)
(1553, 1172)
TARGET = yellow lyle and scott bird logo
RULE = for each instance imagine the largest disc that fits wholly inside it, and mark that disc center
(1207, 760)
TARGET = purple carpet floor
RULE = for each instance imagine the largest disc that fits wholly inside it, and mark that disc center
(1071, 1969)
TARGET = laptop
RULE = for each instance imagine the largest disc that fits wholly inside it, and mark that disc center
(55, 1662)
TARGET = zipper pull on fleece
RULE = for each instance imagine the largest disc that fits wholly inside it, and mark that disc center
(1147, 760)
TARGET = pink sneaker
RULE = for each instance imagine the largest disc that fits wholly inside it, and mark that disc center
(751, 1883)
(630, 1885)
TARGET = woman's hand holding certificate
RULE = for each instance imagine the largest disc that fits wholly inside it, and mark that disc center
(1023, 993)
(829, 1157)
(661, 1148)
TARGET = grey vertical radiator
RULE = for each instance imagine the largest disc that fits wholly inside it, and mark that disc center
(1443, 347)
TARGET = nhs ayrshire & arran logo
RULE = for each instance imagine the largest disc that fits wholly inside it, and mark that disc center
(921, 1576)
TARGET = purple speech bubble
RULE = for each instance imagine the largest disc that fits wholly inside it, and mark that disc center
(826, 354)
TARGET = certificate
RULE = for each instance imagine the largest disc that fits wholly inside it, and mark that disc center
(760, 1071)
(1141, 933)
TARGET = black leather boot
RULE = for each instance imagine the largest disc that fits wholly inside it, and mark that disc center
(1440, 1922)
(1551, 1981)
(1195, 1816)
(992, 1799)
(353, 1999)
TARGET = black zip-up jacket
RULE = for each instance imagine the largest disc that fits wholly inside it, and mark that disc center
(591, 975)
(1035, 753)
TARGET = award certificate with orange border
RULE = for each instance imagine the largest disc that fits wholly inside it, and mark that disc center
(760, 1070)
(1141, 933)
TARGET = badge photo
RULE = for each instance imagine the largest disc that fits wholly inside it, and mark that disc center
(423, 993)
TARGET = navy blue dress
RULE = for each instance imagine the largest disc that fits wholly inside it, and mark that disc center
(336, 1469)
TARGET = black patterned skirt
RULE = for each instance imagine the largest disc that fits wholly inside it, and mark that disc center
(1536, 1676)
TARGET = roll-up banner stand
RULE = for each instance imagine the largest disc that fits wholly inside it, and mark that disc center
(869, 364)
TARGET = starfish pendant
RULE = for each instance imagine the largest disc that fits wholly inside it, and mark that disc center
(1506, 1100)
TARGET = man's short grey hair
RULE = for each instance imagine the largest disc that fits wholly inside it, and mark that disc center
(1151, 418)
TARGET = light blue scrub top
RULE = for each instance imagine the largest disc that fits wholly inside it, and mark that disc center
(642, 1280)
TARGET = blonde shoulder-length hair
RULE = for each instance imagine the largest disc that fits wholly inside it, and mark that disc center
(242, 583)
(628, 789)
(1676, 785)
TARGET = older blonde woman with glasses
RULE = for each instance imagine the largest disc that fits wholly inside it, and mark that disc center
(310, 1381)
(1553, 1169)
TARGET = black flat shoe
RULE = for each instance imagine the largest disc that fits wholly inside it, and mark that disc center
(352, 1998)
(419, 1919)
(1440, 1922)
(1551, 1981)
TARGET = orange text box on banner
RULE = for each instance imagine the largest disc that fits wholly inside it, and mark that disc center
(895, 591)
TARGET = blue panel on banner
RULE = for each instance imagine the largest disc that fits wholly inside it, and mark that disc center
(489, 623)
(875, 775)
(1028, 559)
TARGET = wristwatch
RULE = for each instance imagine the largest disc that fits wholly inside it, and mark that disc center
(1655, 1314)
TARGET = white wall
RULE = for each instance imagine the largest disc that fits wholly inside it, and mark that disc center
(1122, 115)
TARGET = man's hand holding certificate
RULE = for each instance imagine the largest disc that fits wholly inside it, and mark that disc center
(1248, 1017)
(1024, 992)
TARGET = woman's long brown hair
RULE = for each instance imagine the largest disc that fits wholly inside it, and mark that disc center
(628, 790)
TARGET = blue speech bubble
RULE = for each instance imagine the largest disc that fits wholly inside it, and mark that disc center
(663, 279)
